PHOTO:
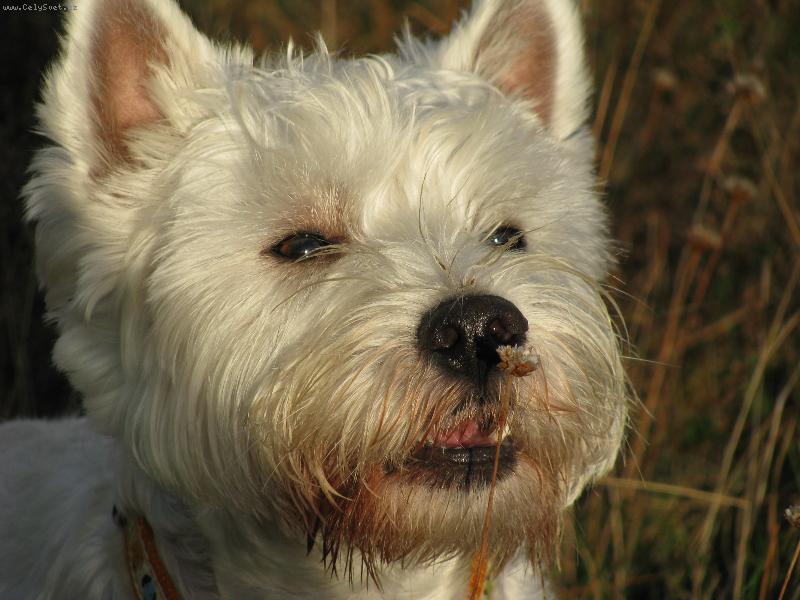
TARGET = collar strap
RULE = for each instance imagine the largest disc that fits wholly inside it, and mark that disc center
(149, 576)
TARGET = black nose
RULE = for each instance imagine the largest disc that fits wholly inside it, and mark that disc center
(462, 334)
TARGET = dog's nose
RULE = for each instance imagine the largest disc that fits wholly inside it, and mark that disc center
(462, 334)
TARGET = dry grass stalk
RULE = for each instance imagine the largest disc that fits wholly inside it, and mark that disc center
(627, 89)
(792, 515)
(515, 361)
(777, 333)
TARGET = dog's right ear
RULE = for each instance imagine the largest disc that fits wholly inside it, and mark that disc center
(116, 104)
(122, 67)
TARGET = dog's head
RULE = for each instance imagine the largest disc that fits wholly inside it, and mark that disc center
(283, 284)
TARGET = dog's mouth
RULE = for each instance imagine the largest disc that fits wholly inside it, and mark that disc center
(463, 457)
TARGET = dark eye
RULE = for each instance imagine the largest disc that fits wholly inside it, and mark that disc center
(508, 236)
(300, 245)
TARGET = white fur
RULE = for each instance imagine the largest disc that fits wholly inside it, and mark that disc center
(231, 389)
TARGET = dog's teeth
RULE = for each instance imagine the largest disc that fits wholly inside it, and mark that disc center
(498, 435)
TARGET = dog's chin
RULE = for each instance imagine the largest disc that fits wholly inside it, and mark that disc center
(435, 505)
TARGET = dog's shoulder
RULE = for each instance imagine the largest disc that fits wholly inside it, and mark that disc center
(35, 448)
(55, 510)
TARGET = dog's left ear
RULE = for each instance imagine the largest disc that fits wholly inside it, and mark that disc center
(531, 49)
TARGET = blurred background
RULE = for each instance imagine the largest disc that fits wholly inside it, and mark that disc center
(697, 113)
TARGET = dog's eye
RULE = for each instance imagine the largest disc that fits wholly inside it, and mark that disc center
(508, 236)
(300, 245)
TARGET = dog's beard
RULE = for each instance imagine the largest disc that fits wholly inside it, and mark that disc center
(384, 503)
(388, 517)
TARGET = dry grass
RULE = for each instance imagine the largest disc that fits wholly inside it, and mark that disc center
(698, 117)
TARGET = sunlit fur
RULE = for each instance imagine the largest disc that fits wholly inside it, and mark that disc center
(259, 406)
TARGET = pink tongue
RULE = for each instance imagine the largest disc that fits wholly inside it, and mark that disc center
(465, 435)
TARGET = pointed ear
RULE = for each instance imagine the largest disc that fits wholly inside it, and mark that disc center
(121, 60)
(527, 48)
(119, 94)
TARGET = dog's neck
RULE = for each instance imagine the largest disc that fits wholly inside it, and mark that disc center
(179, 543)
(212, 553)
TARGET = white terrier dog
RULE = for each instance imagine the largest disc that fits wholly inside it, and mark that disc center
(338, 325)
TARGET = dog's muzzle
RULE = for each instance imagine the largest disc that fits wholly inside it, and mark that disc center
(461, 336)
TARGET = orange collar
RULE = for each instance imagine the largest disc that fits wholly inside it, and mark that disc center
(149, 576)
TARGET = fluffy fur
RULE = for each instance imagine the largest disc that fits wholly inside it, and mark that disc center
(251, 407)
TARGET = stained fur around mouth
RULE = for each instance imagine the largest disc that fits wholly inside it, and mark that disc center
(464, 469)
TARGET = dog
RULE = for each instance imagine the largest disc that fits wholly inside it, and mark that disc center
(338, 325)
